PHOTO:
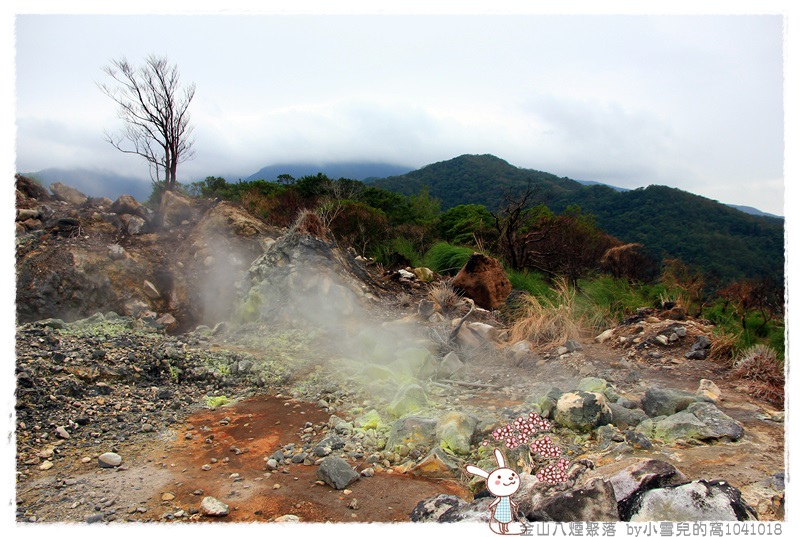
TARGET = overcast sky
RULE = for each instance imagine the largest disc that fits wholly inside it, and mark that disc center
(693, 102)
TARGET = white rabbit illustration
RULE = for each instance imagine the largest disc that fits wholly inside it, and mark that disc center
(502, 483)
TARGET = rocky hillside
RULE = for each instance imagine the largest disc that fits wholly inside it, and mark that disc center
(303, 384)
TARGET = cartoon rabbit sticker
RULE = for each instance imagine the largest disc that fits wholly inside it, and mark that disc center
(502, 483)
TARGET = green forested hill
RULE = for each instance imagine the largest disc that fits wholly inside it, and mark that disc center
(478, 179)
(722, 241)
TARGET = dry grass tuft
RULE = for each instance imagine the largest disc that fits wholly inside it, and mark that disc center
(445, 296)
(548, 321)
(763, 373)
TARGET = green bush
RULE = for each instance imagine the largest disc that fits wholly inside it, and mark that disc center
(532, 282)
(444, 258)
(397, 251)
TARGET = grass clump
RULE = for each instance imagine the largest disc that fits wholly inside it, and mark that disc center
(762, 371)
(444, 258)
(217, 401)
(547, 319)
(445, 296)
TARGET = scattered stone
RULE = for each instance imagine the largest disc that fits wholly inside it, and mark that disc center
(709, 391)
(167, 497)
(698, 350)
(637, 440)
(434, 509)
(46, 465)
(62, 432)
(211, 506)
(605, 336)
(109, 460)
(150, 290)
(97, 517)
(449, 366)
(592, 384)
(287, 519)
(370, 420)
(573, 345)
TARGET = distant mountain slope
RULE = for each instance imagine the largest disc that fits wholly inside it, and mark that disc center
(725, 242)
(752, 210)
(96, 183)
(479, 179)
(351, 170)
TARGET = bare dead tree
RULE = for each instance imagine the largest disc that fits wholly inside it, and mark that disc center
(155, 112)
(511, 220)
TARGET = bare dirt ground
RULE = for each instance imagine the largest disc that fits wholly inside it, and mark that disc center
(163, 478)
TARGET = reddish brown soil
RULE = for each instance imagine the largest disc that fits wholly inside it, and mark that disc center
(258, 427)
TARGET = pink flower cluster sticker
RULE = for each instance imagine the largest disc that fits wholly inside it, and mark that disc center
(525, 430)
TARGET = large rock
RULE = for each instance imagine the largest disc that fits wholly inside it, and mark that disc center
(409, 399)
(411, 429)
(454, 432)
(593, 500)
(700, 421)
(336, 472)
(432, 509)
(175, 208)
(582, 411)
(664, 402)
(632, 476)
(437, 464)
(695, 501)
(626, 417)
(484, 280)
(62, 192)
(127, 204)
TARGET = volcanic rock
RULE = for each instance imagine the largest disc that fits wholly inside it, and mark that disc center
(62, 192)
(484, 280)
(211, 506)
(582, 411)
(695, 501)
(336, 472)
(109, 460)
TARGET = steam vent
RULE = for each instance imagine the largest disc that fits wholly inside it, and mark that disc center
(239, 358)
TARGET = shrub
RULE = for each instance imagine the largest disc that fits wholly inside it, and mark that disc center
(444, 258)
(445, 296)
(547, 320)
(762, 371)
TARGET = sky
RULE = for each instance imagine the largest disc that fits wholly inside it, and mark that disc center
(689, 101)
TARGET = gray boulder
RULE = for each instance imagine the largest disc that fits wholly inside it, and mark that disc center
(336, 472)
(411, 429)
(68, 194)
(454, 431)
(582, 411)
(700, 421)
(594, 500)
(432, 509)
(690, 502)
(664, 401)
(626, 417)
